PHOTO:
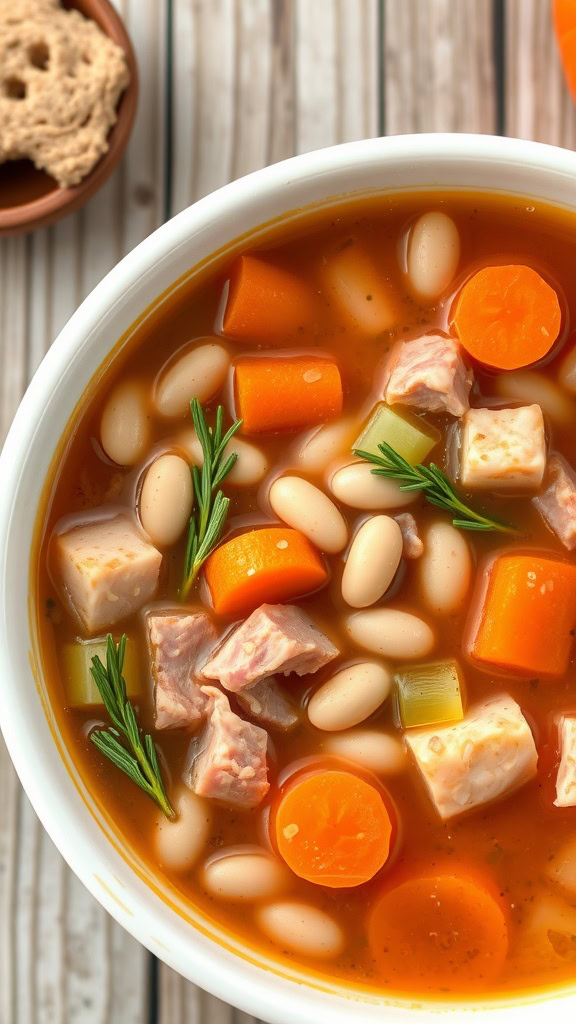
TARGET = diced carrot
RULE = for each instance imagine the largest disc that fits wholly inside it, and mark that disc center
(528, 614)
(333, 828)
(266, 302)
(358, 289)
(266, 565)
(565, 26)
(287, 394)
(442, 931)
(507, 316)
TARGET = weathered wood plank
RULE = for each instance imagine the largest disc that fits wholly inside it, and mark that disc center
(438, 70)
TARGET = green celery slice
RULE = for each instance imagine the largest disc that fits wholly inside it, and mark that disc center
(413, 438)
(76, 662)
(429, 694)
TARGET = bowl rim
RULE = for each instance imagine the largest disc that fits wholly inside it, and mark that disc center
(254, 989)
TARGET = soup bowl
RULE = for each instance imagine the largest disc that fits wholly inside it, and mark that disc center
(141, 901)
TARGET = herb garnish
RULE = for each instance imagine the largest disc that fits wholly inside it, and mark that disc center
(207, 520)
(435, 486)
(123, 742)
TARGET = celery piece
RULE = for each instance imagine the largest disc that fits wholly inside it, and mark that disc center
(407, 434)
(76, 662)
(429, 694)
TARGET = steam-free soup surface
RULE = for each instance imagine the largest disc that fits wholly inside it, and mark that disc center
(403, 818)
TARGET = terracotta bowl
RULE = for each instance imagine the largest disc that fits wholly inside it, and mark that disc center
(30, 199)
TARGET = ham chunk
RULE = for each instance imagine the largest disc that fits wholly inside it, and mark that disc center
(557, 502)
(230, 764)
(428, 373)
(412, 546)
(178, 645)
(108, 570)
(503, 448)
(267, 702)
(489, 753)
(566, 778)
(275, 638)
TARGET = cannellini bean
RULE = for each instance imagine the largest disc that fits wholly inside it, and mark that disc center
(250, 467)
(357, 486)
(166, 499)
(372, 561)
(567, 372)
(445, 568)
(306, 508)
(245, 877)
(350, 696)
(534, 388)
(200, 373)
(433, 254)
(125, 425)
(302, 929)
(326, 444)
(376, 751)
(391, 633)
(179, 843)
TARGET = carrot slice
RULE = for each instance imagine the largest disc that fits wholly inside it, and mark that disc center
(276, 394)
(267, 565)
(438, 932)
(565, 27)
(528, 613)
(266, 302)
(333, 828)
(507, 316)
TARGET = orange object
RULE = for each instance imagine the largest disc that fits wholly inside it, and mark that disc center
(507, 316)
(442, 931)
(286, 394)
(268, 565)
(528, 614)
(565, 27)
(333, 828)
(266, 302)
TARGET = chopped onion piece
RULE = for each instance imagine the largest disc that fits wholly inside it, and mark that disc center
(409, 435)
(429, 694)
(76, 661)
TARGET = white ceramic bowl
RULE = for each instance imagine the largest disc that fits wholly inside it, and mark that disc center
(115, 876)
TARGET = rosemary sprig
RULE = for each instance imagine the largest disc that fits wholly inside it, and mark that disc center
(435, 486)
(123, 742)
(209, 516)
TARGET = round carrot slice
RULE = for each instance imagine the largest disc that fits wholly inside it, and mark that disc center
(334, 829)
(507, 317)
(565, 26)
(438, 932)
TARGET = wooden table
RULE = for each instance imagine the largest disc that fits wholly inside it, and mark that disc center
(227, 86)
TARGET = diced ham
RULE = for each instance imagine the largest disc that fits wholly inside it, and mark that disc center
(267, 702)
(275, 638)
(179, 643)
(108, 570)
(429, 373)
(412, 546)
(557, 502)
(230, 764)
(566, 778)
(489, 753)
(502, 448)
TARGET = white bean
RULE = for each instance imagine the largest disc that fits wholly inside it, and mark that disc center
(250, 467)
(200, 373)
(125, 425)
(372, 561)
(390, 633)
(433, 254)
(534, 388)
(326, 444)
(306, 508)
(166, 499)
(376, 751)
(302, 929)
(567, 372)
(245, 877)
(179, 843)
(445, 568)
(357, 486)
(350, 696)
